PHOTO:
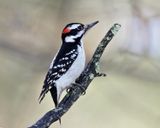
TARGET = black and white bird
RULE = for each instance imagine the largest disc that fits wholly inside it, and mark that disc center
(68, 63)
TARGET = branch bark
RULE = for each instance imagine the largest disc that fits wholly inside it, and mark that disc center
(91, 71)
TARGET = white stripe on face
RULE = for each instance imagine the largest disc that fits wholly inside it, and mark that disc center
(74, 26)
(71, 38)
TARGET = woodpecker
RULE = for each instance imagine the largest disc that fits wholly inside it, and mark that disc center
(68, 63)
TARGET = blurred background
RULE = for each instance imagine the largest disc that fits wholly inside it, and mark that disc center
(30, 35)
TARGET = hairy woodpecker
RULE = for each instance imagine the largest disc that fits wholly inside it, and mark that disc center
(68, 63)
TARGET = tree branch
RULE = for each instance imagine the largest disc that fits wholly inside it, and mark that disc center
(91, 71)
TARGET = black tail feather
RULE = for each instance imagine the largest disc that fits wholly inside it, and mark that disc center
(53, 92)
(42, 95)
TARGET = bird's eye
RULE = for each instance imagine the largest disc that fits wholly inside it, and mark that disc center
(80, 28)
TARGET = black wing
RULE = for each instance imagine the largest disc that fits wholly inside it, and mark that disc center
(58, 67)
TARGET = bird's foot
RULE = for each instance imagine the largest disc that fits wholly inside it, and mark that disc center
(78, 85)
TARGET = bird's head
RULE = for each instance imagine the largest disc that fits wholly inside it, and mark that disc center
(74, 32)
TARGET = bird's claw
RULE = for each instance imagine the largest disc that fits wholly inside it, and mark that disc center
(82, 88)
(74, 85)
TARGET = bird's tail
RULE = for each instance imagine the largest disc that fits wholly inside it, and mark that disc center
(53, 92)
(42, 94)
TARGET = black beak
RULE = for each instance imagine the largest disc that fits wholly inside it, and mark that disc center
(88, 26)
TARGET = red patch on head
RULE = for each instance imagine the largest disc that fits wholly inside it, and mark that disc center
(66, 30)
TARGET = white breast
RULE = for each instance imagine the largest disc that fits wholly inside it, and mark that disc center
(73, 72)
